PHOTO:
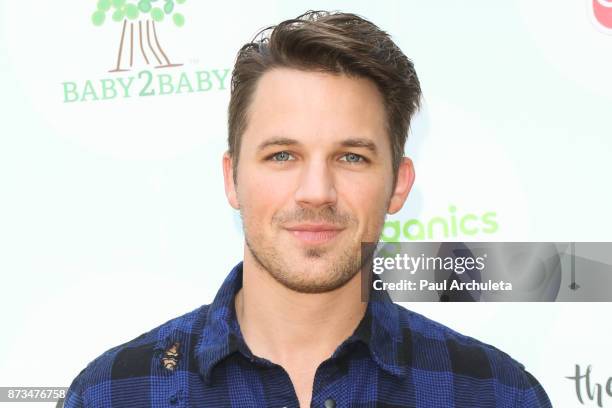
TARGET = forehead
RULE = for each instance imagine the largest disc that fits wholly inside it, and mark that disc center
(315, 107)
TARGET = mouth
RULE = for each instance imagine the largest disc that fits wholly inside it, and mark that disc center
(314, 234)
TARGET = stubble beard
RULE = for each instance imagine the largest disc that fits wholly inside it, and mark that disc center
(341, 266)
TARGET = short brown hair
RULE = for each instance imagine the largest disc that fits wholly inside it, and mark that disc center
(334, 42)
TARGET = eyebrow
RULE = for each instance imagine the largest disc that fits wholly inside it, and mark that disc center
(277, 141)
(351, 142)
(360, 142)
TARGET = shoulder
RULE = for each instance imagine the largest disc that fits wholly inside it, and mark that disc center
(438, 348)
(465, 354)
(152, 353)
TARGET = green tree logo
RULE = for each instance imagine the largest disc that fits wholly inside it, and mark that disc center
(143, 12)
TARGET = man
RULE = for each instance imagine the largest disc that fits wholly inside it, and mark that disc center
(318, 117)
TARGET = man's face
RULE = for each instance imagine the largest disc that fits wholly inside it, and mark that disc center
(314, 177)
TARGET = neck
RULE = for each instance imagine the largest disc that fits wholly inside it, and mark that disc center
(287, 327)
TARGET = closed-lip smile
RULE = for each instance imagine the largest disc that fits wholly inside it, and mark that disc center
(314, 233)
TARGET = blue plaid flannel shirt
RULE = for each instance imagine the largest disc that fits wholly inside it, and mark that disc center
(395, 358)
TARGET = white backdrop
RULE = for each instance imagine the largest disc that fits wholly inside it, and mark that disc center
(107, 196)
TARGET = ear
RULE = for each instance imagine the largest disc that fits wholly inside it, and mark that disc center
(405, 179)
(228, 179)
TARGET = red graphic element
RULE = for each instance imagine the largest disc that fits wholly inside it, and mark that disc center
(602, 11)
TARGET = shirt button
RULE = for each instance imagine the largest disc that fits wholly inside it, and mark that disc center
(330, 403)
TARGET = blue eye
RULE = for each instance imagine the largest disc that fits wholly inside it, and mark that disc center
(353, 158)
(281, 156)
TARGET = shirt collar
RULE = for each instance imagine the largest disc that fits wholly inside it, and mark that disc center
(379, 329)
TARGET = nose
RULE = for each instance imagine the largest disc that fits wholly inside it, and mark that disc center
(316, 185)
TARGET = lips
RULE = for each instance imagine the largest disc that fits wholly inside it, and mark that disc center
(314, 233)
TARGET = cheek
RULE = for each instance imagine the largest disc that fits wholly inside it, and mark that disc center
(368, 199)
(260, 197)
